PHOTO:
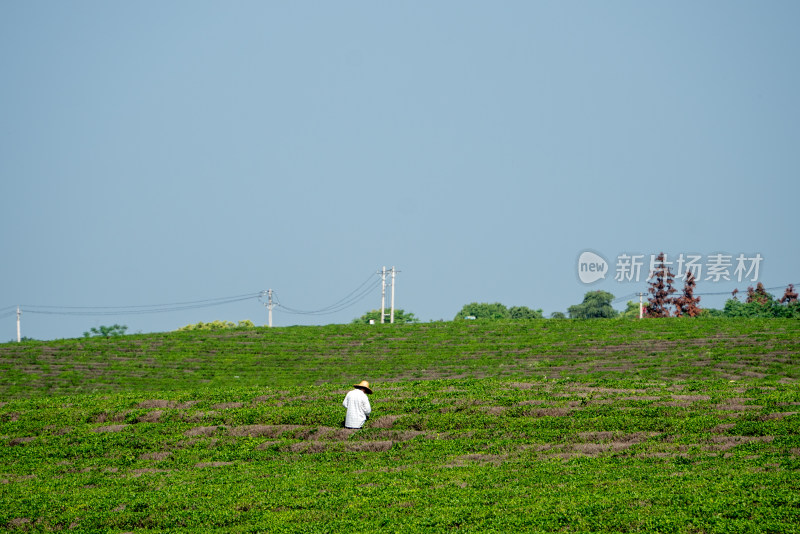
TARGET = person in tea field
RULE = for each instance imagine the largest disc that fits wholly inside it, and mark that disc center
(357, 404)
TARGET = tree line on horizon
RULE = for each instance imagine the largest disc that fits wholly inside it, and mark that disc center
(664, 301)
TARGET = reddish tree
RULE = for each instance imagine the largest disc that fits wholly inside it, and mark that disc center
(661, 290)
(686, 304)
(734, 293)
(789, 296)
(758, 295)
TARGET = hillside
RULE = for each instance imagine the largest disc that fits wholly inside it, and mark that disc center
(567, 426)
(673, 349)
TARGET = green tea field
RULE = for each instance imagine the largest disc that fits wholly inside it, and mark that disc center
(542, 426)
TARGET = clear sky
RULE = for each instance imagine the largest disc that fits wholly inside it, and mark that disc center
(170, 152)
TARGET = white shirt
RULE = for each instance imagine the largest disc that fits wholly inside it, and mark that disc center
(358, 408)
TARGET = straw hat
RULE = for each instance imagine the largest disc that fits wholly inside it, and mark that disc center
(363, 385)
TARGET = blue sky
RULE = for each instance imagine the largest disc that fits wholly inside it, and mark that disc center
(169, 152)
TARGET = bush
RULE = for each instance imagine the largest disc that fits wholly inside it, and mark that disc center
(217, 325)
(106, 331)
(400, 317)
(484, 310)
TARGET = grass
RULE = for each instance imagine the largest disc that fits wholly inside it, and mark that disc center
(606, 426)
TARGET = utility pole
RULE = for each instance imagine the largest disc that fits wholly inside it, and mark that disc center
(19, 332)
(269, 306)
(641, 306)
(382, 272)
(383, 293)
(391, 317)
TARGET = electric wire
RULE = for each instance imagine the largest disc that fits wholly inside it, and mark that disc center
(338, 302)
(717, 293)
(170, 304)
(134, 310)
(328, 310)
(624, 298)
(349, 300)
(731, 292)
(708, 294)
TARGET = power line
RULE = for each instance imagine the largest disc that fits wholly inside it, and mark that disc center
(346, 298)
(328, 310)
(709, 293)
(624, 298)
(620, 299)
(730, 292)
(349, 300)
(133, 310)
(170, 304)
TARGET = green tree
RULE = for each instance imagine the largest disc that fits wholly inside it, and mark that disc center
(484, 310)
(595, 305)
(735, 308)
(106, 331)
(558, 315)
(524, 312)
(631, 310)
(400, 317)
(760, 303)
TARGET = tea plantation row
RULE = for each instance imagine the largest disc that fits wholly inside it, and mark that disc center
(476, 455)
(599, 349)
(547, 426)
